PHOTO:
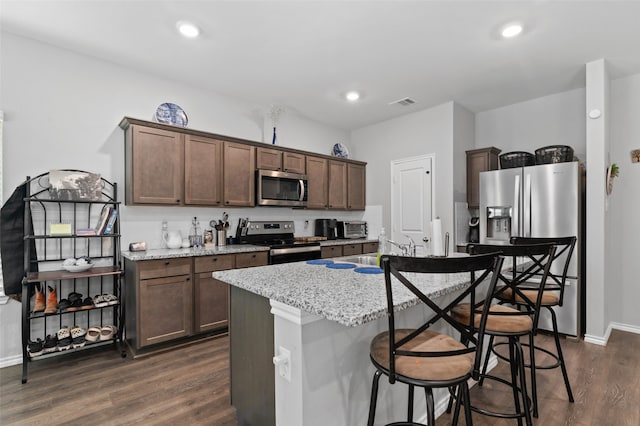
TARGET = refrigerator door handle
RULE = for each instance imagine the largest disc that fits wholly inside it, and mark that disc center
(515, 228)
(526, 214)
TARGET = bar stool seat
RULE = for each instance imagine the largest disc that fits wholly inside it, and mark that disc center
(501, 318)
(437, 368)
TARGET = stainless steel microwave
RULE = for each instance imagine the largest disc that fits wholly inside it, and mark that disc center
(281, 189)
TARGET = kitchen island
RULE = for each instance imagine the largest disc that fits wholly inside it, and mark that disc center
(322, 321)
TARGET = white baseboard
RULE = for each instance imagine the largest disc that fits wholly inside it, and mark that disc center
(602, 340)
(11, 360)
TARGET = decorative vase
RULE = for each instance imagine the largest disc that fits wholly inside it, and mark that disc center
(273, 141)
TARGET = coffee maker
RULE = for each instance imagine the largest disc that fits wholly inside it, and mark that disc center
(326, 228)
(474, 229)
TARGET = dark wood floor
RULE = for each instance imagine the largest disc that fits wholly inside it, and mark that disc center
(190, 385)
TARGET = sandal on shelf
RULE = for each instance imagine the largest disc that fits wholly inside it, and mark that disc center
(64, 339)
(87, 303)
(73, 296)
(64, 305)
(77, 336)
(76, 305)
(108, 332)
(63, 332)
(93, 334)
(110, 299)
(35, 348)
(100, 302)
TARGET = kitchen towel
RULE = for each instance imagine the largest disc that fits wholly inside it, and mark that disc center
(436, 237)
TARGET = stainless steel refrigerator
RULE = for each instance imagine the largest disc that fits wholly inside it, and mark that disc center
(539, 201)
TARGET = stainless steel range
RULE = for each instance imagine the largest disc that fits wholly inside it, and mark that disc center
(278, 236)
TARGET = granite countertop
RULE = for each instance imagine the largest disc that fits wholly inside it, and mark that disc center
(343, 242)
(190, 252)
(340, 295)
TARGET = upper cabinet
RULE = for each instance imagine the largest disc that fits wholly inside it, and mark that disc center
(239, 174)
(169, 165)
(337, 185)
(154, 166)
(356, 186)
(276, 159)
(203, 171)
(318, 173)
(479, 160)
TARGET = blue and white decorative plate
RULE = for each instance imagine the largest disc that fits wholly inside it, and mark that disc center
(340, 150)
(169, 113)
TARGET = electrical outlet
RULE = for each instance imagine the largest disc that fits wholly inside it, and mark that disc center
(283, 363)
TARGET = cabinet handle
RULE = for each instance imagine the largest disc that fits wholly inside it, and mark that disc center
(167, 262)
(215, 259)
(177, 201)
(187, 279)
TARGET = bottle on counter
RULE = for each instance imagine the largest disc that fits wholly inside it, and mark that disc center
(164, 234)
(383, 244)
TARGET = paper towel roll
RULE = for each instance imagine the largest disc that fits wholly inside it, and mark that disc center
(436, 238)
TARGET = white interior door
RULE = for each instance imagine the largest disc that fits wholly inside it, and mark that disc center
(411, 201)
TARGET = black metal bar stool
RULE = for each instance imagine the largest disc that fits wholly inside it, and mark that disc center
(551, 296)
(511, 323)
(420, 356)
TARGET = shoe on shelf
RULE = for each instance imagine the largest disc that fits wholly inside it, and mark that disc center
(35, 348)
(52, 302)
(110, 299)
(108, 332)
(93, 334)
(64, 305)
(100, 302)
(77, 336)
(50, 344)
(64, 344)
(87, 303)
(40, 302)
(63, 332)
(75, 302)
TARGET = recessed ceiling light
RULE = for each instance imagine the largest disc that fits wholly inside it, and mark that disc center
(352, 96)
(188, 29)
(511, 30)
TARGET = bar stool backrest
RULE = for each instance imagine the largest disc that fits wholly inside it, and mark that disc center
(486, 267)
(564, 246)
(537, 256)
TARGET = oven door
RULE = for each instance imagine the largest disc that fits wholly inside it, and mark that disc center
(293, 254)
(281, 189)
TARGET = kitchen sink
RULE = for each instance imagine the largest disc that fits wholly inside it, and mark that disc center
(362, 259)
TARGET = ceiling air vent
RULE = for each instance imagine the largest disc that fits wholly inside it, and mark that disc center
(403, 102)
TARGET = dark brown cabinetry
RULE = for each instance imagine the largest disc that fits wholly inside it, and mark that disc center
(356, 190)
(348, 249)
(203, 170)
(351, 249)
(330, 251)
(337, 194)
(275, 159)
(169, 299)
(318, 172)
(239, 174)
(159, 301)
(211, 296)
(369, 247)
(154, 166)
(479, 160)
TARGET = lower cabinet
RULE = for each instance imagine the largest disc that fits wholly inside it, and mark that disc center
(351, 249)
(169, 299)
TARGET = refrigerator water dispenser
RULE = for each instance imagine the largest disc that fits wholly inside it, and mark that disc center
(499, 223)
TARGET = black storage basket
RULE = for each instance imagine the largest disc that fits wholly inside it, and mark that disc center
(554, 154)
(509, 160)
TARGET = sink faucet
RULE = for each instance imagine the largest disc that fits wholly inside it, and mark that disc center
(407, 249)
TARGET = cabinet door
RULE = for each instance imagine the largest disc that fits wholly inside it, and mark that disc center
(155, 166)
(317, 171)
(356, 184)
(369, 247)
(164, 309)
(247, 260)
(337, 185)
(293, 162)
(211, 297)
(331, 251)
(269, 159)
(351, 249)
(479, 160)
(203, 171)
(239, 174)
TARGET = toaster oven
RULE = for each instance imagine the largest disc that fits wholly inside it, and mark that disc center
(352, 229)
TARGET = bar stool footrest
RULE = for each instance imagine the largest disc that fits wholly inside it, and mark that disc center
(537, 348)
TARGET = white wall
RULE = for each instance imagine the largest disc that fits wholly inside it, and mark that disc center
(61, 110)
(623, 289)
(557, 119)
(464, 124)
(420, 133)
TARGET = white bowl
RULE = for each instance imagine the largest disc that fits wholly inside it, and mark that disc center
(78, 268)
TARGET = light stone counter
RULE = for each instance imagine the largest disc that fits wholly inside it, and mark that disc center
(341, 295)
(190, 252)
(343, 242)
